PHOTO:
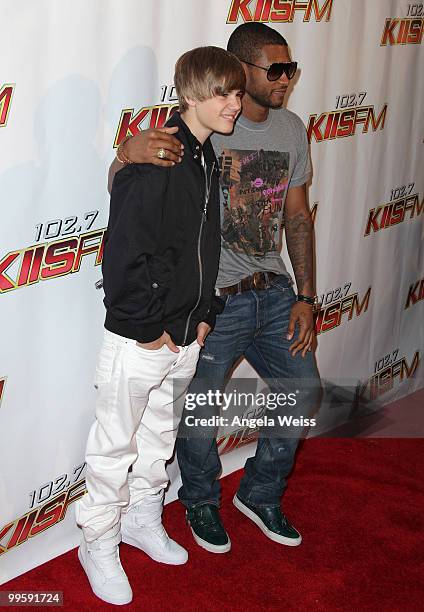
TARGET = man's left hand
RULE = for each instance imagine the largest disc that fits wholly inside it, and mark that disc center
(302, 314)
(202, 331)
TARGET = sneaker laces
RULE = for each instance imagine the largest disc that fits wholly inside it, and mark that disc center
(281, 522)
(214, 523)
(154, 524)
(157, 527)
(109, 562)
(277, 520)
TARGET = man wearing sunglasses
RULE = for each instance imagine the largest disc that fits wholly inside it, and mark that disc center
(277, 69)
(264, 167)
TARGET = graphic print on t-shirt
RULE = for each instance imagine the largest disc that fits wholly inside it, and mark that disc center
(254, 184)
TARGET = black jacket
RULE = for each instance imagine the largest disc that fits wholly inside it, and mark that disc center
(162, 246)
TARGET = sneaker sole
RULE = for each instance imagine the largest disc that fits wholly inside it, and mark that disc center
(133, 542)
(213, 548)
(269, 534)
(97, 594)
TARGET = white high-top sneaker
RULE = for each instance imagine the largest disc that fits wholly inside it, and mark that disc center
(101, 562)
(142, 527)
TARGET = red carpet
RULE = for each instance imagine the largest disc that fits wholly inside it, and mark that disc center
(359, 505)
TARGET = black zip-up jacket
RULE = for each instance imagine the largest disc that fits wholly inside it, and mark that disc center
(162, 246)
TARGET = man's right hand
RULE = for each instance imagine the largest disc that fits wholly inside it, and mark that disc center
(158, 344)
(143, 147)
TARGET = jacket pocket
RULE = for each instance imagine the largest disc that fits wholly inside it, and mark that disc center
(161, 275)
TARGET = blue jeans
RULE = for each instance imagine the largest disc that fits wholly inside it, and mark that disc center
(253, 324)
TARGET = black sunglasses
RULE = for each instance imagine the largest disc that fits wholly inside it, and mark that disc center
(274, 71)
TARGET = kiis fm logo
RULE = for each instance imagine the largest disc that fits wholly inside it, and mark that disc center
(146, 117)
(39, 519)
(242, 435)
(154, 116)
(6, 93)
(404, 31)
(278, 11)
(52, 259)
(403, 204)
(415, 294)
(2, 386)
(338, 305)
(237, 438)
(388, 372)
(344, 120)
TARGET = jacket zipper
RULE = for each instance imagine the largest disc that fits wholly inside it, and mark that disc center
(199, 254)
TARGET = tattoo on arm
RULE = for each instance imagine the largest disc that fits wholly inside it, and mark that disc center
(299, 239)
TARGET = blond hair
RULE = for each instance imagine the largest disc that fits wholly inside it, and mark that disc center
(206, 72)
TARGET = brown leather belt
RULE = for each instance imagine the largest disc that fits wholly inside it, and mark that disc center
(258, 280)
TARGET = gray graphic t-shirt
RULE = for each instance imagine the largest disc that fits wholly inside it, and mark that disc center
(258, 163)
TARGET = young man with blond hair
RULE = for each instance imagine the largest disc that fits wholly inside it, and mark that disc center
(159, 270)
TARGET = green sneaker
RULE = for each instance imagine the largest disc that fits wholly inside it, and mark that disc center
(207, 528)
(271, 521)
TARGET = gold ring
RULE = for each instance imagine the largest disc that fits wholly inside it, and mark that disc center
(161, 153)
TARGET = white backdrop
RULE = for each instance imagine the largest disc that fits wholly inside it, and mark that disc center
(68, 72)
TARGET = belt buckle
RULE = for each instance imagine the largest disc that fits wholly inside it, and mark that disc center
(256, 277)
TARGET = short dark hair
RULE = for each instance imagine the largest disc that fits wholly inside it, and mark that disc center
(248, 39)
(205, 72)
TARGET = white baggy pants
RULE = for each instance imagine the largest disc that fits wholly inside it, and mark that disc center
(137, 417)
